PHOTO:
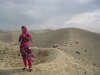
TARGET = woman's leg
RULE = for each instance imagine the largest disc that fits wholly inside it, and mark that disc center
(29, 62)
(25, 62)
(23, 57)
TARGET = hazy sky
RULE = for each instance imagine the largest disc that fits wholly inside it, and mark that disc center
(50, 14)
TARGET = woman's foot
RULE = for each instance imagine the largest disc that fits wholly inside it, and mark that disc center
(24, 68)
(30, 69)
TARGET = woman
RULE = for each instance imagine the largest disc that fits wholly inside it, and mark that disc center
(25, 50)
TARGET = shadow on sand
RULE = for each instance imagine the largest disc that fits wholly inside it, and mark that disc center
(13, 71)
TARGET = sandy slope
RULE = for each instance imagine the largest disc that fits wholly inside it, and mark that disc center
(42, 31)
(2, 31)
(60, 36)
(2, 43)
(14, 35)
(48, 39)
(62, 60)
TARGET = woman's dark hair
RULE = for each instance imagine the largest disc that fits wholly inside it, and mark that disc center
(22, 27)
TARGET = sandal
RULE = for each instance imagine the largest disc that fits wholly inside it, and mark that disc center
(30, 69)
(23, 68)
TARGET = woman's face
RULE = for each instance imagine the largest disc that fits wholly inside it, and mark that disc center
(22, 30)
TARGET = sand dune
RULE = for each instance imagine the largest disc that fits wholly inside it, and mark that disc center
(2, 31)
(47, 39)
(79, 34)
(78, 53)
(43, 31)
(14, 35)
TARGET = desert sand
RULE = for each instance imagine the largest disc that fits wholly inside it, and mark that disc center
(76, 52)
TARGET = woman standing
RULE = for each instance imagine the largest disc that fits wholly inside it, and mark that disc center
(25, 50)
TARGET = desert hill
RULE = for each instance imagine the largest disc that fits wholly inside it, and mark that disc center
(2, 31)
(61, 35)
(14, 35)
(77, 52)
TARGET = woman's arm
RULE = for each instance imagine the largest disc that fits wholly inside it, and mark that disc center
(26, 38)
(20, 39)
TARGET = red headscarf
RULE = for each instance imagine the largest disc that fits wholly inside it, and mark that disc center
(26, 33)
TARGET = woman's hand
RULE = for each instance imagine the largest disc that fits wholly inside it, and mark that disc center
(24, 40)
(24, 35)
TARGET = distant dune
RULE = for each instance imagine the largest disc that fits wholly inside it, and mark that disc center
(43, 31)
(49, 38)
(80, 34)
(2, 31)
